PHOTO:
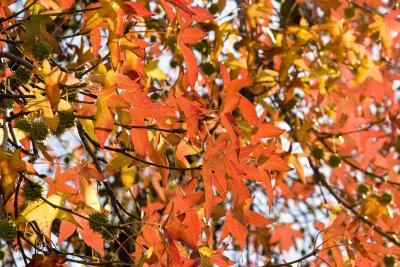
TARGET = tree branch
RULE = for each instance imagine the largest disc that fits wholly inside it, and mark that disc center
(21, 61)
(320, 178)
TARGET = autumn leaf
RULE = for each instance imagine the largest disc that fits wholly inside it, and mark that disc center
(93, 239)
(53, 77)
(236, 227)
(39, 260)
(10, 165)
(191, 35)
(95, 38)
(385, 26)
(59, 184)
(45, 212)
(191, 64)
(285, 235)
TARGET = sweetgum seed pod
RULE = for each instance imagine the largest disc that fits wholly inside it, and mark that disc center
(66, 121)
(334, 161)
(8, 231)
(23, 75)
(97, 217)
(41, 50)
(24, 125)
(40, 130)
(386, 198)
(208, 68)
(318, 152)
(389, 260)
(32, 191)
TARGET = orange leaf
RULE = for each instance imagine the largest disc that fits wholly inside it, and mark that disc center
(275, 163)
(267, 130)
(95, 38)
(191, 64)
(139, 9)
(191, 35)
(235, 227)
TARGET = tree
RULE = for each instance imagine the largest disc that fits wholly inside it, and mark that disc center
(180, 133)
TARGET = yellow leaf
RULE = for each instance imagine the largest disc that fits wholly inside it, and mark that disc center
(372, 208)
(89, 191)
(19, 134)
(53, 77)
(44, 213)
(42, 103)
(154, 71)
(9, 167)
(127, 172)
(206, 251)
(367, 69)
(128, 176)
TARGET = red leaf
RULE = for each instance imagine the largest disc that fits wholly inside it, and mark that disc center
(66, 230)
(95, 38)
(191, 35)
(140, 138)
(221, 260)
(181, 5)
(201, 14)
(267, 130)
(235, 227)
(93, 239)
(102, 136)
(266, 177)
(188, 230)
(285, 234)
(191, 64)
(124, 82)
(275, 163)
(228, 122)
(139, 9)
(90, 172)
(65, 4)
(248, 110)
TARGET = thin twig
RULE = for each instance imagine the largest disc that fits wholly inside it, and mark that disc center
(320, 178)
(18, 13)
(125, 153)
(289, 264)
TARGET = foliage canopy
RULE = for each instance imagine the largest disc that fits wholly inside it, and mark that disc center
(200, 133)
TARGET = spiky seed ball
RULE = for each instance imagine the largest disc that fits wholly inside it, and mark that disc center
(97, 217)
(334, 160)
(389, 260)
(363, 189)
(173, 63)
(208, 68)
(317, 152)
(32, 191)
(40, 130)
(386, 198)
(8, 231)
(41, 50)
(213, 8)
(349, 12)
(24, 125)
(23, 75)
(110, 233)
(66, 121)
